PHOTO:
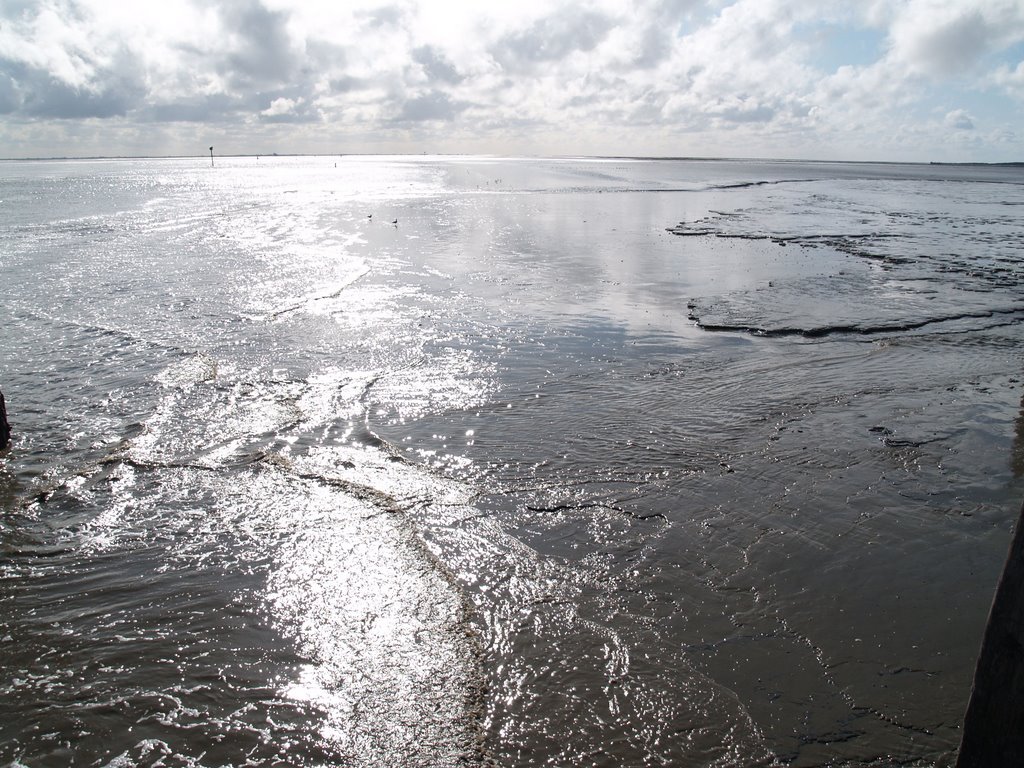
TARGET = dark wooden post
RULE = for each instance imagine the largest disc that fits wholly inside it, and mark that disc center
(993, 735)
(5, 428)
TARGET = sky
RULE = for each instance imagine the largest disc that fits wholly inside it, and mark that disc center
(895, 80)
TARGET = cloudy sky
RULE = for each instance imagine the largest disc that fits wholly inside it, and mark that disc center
(851, 79)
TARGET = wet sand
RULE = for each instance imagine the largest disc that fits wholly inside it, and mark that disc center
(526, 477)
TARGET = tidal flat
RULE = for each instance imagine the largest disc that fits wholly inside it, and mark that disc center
(438, 461)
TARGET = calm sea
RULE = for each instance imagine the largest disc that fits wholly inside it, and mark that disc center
(364, 461)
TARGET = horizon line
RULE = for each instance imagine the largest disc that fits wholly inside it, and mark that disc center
(688, 158)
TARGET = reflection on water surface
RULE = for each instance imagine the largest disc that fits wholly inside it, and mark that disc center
(295, 485)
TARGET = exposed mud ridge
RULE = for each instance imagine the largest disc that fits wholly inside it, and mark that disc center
(986, 255)
(844, 243)
(860, 330)
(762, 183)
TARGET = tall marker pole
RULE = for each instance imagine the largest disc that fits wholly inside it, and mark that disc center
(5, 428)
(211, 157)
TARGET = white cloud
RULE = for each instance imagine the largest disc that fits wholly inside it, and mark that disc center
(280, 107)
(658, 76)
(1010, 80)
(960, 120)
(946, 37)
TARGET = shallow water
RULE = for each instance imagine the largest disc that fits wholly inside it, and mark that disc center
(581, 462)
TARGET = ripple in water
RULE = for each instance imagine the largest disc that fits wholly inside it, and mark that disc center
(296, 486)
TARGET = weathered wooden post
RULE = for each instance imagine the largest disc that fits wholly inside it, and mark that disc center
(5, 428)
(993, 734)
(211, 157)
